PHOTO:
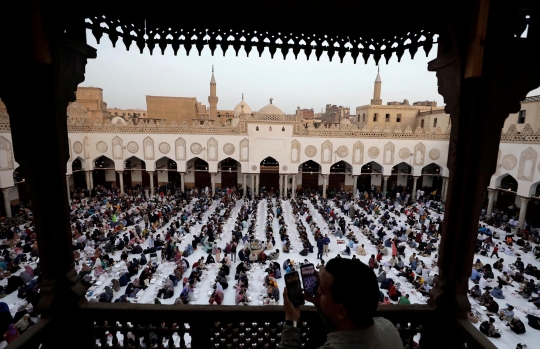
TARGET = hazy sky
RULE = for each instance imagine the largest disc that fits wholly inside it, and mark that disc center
(126, 77)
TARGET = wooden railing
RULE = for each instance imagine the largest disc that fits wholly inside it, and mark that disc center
(198, 326)
(33, 337)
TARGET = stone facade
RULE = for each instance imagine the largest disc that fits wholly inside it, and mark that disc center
(388, 146)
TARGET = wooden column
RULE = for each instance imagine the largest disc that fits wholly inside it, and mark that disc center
(48, 55)
(476, 64)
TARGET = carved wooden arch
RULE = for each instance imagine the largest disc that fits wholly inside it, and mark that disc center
(180, 148)
(388, 155)
(326, 152)
(212, 149)
(118, 148)
(295, 151)
(148, 148)
(358, 153)
(244, 150)
(527, 164)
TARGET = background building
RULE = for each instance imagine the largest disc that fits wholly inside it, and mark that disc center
(334, 114)
(397, 144)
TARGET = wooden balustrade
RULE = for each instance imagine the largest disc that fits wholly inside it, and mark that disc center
(201, 326)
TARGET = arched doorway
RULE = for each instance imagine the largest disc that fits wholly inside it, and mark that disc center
(166, 172)
(269, 175)
(201, 177)
(228, 169)
(78, 174)
(310, 171)
(135, 172)
(370, 174)
(337, 178)
(506, 197)
(431, 180)
(103, 171)
(401, 177)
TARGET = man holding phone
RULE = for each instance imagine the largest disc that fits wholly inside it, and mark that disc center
(347, 298)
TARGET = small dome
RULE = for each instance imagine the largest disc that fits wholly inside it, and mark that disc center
(270, 109)
(345, 121)
(238, 109)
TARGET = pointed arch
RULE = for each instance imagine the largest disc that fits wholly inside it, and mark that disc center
(534, 190)
(527, 164)
(372, 167)
(432, 169)
(388, 155)
(134, 162)
(507, 181)
(103, 162)
(341, 166)
(402, 168)
(326, 152)
(358, 153)
(165, 163)
(77, 164)
(118, 148)
(148, 148)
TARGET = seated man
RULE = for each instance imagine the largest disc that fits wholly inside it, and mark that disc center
(273, 255)
(517, 326)
(491, 305)
(475, 292)
(361, 251)
(352, 321)
(507, 314)
(488, 328)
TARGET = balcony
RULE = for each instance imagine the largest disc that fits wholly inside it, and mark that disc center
(197, 326)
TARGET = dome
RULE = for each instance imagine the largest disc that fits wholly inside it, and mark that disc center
(238, 109)
(345, 121)
(270, 109)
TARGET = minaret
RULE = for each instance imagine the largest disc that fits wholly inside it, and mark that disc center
(212, 99)
(377, 90)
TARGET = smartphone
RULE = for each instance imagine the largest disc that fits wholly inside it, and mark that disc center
(309, 279)
(294, 289)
